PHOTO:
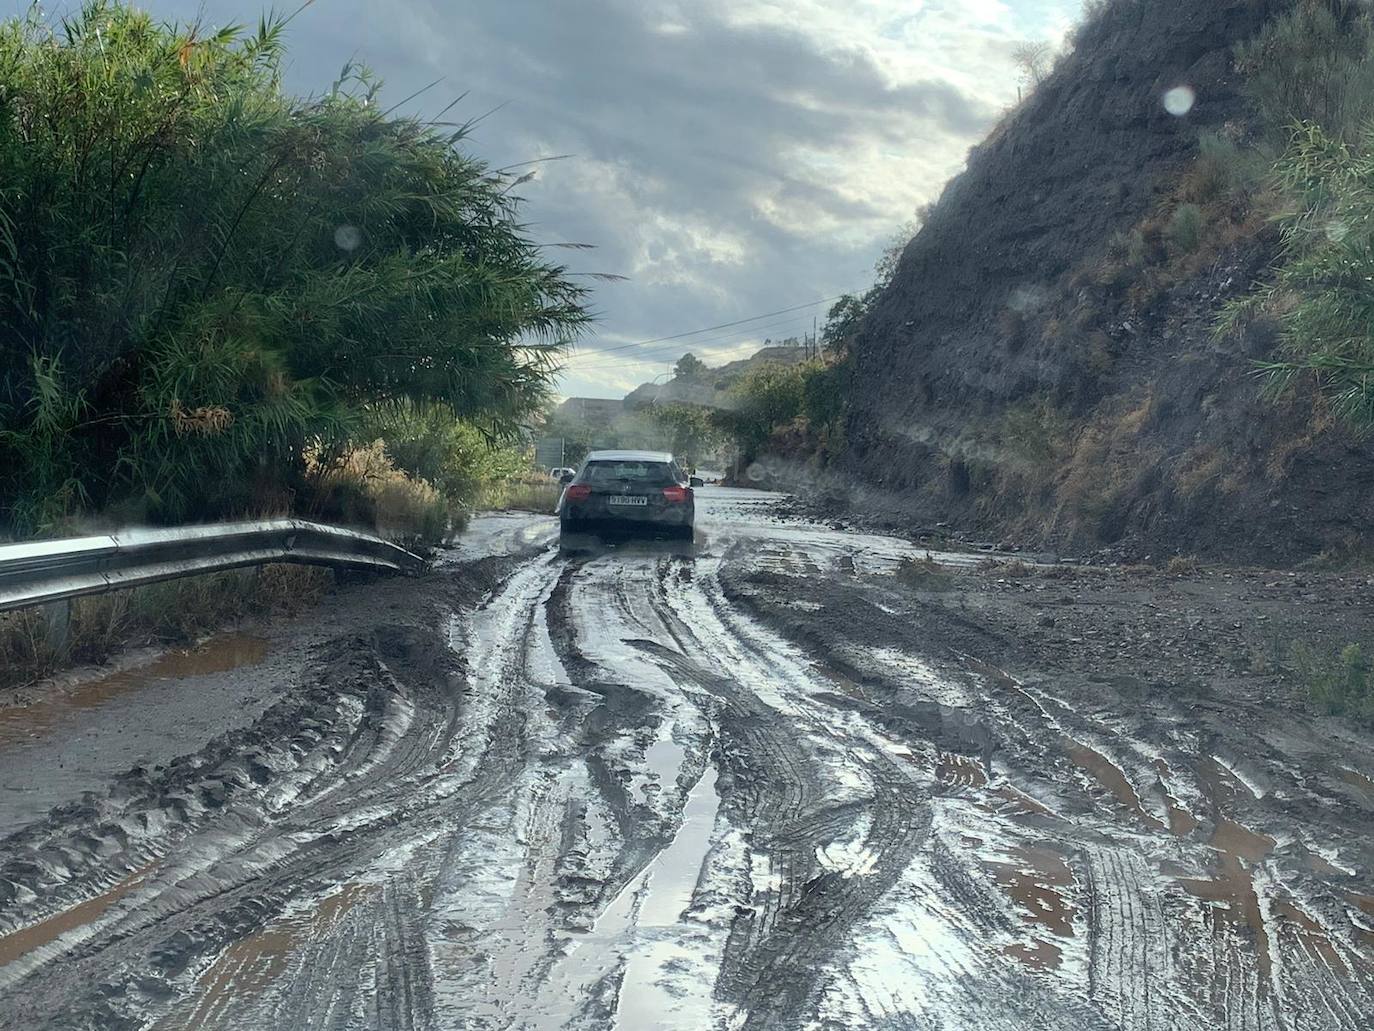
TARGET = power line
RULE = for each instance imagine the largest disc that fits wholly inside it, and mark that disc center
(594, 359)
(723, 325)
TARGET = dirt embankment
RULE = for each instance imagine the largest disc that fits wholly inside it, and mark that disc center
(1045, 362)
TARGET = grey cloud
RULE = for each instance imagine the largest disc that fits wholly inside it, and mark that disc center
(694, 127)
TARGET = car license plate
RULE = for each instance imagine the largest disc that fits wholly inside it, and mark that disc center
(624, 500)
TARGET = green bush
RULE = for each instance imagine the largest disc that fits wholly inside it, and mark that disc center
(765, 399)
(1344, 687)
(689, 431)
(1186, 227)
(1313, 64)
(428, 443)
(1225, 170)
(1322, 295)
(925, 574)
(204, 280)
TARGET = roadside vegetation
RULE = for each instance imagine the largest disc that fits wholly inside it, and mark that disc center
(219, 299)
(1341, 685)
(173, 613)
(1311, 75)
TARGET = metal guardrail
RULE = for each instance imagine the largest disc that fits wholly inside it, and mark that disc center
(42, 572)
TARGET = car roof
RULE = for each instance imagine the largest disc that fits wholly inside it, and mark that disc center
(629, 456)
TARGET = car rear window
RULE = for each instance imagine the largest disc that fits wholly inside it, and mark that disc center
(648, 474)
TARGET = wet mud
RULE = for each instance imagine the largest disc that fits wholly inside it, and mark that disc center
(760, 785)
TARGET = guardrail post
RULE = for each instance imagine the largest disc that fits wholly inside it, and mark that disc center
(57, 626)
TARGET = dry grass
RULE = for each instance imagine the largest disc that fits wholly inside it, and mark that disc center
(173, 612)
(1012, 569)
(364, 488)
(533, 493)
(1183, 565)
(925, 574)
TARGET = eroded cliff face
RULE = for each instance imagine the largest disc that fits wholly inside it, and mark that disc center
(1020, 377)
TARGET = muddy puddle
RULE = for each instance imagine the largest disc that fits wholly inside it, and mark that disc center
(1111, 777)
(960, 771)
(1310, 934)
(643, 928)
(28, 939)
(1018, 803)
(1365, 903)
(216, 655)
(1036, 879)
(251, 964)
(1182, 823)
(1230, 892)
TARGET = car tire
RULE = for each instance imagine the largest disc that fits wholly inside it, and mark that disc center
(573, 540)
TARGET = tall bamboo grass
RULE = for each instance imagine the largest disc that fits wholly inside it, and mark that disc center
(204, 279)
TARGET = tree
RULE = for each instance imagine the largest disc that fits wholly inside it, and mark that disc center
(690, 369)
(886, 266)
(204, 281)
(691, 430)
(765, 398)
(1032, 58)
(842, 323)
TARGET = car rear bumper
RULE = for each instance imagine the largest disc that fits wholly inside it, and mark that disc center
(578, 520)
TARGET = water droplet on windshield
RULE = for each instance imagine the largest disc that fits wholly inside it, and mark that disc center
(1180, 100)
(348, 238)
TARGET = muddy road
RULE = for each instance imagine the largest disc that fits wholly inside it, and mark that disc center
(765, 785)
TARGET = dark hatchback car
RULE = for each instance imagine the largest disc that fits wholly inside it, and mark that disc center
(627, 493)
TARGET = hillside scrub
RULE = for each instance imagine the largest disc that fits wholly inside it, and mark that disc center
(170, 613)
(807, 398)
(1312, 76)
(208, 286)
(1343, 686)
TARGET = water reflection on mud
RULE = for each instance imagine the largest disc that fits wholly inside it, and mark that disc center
(216, 655)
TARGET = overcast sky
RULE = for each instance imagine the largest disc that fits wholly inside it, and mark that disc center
(730, 157)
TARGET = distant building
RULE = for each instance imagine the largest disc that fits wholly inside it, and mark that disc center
(592, 409)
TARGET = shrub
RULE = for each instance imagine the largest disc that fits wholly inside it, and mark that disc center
(1343, 687)
(174, 612)
(1034, 434)
(924, 574)
(1186, 227)
(1183, 565)
(204, 279)
(363, 488)
(427, 443)
(1322, 296)
(1225, 171)
(1314, 64)
(765, 399)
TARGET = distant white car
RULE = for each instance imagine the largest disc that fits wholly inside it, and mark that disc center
(557, 475)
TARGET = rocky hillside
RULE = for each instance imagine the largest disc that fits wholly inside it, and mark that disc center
(1045, 364)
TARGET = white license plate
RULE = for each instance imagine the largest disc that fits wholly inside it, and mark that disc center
(636, 502)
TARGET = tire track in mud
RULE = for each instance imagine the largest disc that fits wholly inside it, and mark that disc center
(1154, 956)
(339, 808)
(509, 819)
(802, 913)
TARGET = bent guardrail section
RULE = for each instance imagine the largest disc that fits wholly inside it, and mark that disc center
(41, 572)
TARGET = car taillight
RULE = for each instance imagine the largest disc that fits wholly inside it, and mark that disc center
(677, 495)
(577, 492)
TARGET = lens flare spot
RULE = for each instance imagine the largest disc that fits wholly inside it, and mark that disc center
(348, 238)
(1180, 100)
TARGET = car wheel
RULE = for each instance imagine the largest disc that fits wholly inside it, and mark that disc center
(573, 540)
